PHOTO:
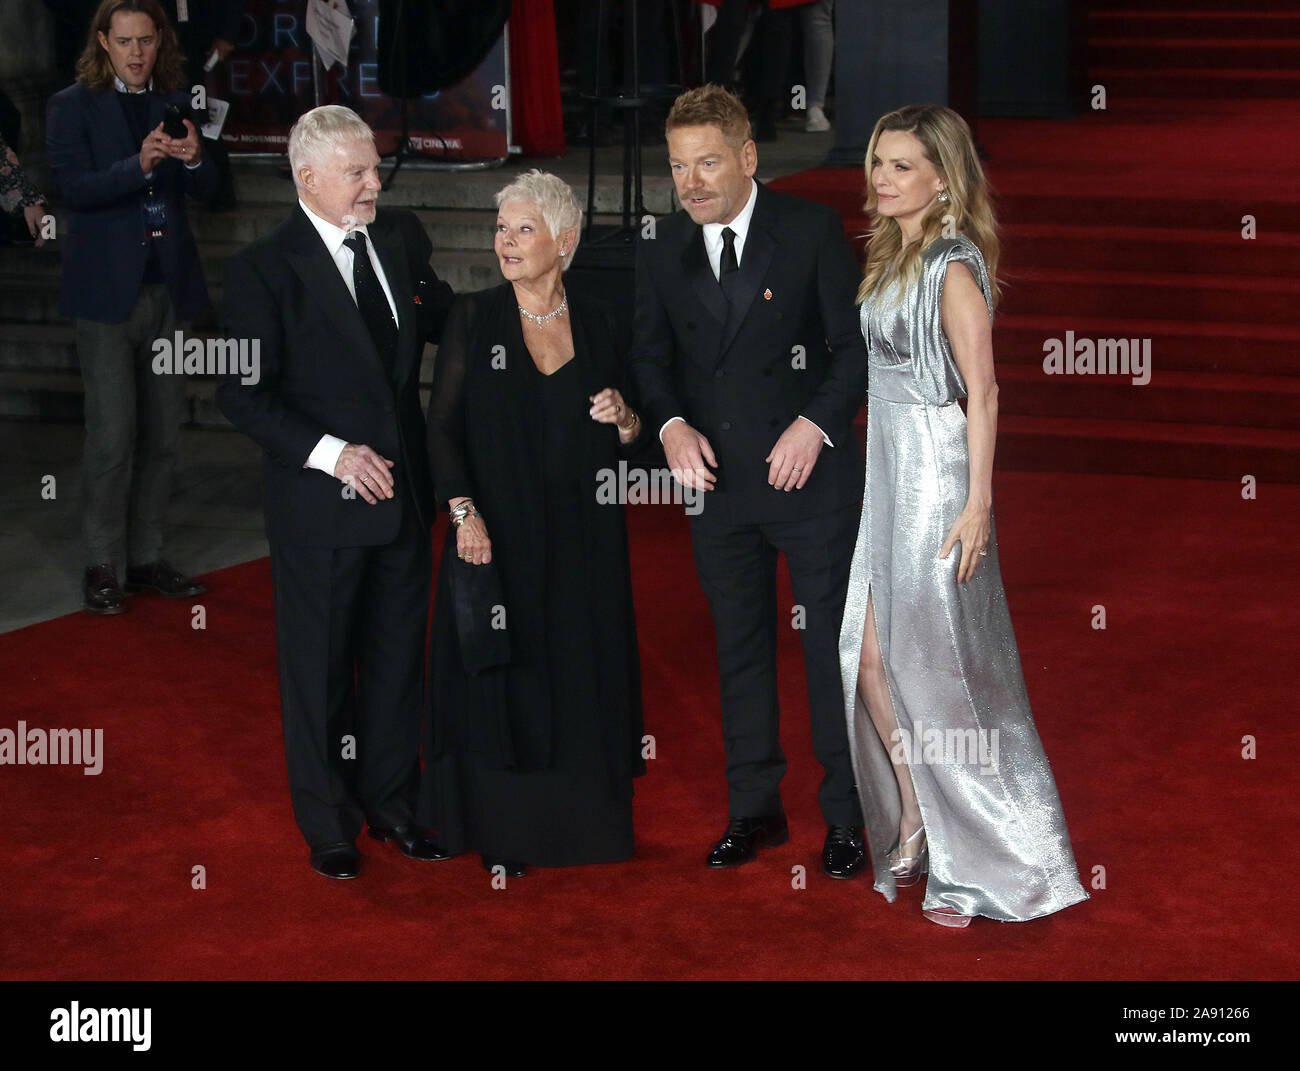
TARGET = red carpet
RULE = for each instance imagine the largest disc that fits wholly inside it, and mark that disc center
(1127, 223)
(1143, 723)
(1121, 223)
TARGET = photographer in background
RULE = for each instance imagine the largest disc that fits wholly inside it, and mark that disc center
(124, 156)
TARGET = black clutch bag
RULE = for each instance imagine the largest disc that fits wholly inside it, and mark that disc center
(479, 606)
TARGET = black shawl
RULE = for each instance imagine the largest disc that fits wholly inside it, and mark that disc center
(484, 437)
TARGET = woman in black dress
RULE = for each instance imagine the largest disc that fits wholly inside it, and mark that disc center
(534, 731)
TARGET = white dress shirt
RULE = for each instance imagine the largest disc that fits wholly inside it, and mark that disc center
(713, 246)
(325, 456)
(713, 242)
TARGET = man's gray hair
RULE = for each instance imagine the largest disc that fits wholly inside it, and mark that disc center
(321, 129)
(555, 200)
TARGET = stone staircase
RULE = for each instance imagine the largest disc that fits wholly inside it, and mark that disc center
(39, 374)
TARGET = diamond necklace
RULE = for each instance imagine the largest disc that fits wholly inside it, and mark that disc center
(542, 321)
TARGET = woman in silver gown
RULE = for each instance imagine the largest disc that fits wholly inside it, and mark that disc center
(950, 770)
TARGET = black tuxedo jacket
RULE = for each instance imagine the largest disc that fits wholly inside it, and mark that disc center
(790, 345)
(320, 373)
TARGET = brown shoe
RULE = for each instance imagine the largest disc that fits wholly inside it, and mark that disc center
(161, 578)
(101, 591)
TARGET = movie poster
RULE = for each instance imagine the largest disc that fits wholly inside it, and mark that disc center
(268, 82)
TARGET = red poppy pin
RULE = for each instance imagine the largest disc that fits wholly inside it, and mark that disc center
(767, 295)
(417, 298)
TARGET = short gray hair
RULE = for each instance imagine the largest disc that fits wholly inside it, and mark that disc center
(320, 129)
(555, 200)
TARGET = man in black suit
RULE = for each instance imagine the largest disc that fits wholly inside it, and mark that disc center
(751, 364)
(340, 300)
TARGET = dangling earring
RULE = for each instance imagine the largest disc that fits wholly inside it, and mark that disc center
(943, 197)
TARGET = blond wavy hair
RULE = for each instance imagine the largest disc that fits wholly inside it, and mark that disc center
(949, 147)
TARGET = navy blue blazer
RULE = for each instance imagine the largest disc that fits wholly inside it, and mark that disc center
(96, 167)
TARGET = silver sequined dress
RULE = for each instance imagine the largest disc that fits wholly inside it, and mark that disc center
(997, 836)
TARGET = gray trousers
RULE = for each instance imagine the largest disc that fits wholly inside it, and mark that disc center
(133, 420)
(818, 48)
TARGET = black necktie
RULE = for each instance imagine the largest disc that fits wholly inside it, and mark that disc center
(375, 310)
(728, 267)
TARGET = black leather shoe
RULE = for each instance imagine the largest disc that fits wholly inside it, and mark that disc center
(743, 838)
(845, 853)
(337, 860)
(101, 591)
(513, 869)
(412, 841)
(161, 578)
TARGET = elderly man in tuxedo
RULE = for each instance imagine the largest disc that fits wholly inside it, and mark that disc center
(751, 366)
(131, 275)
(340, 299)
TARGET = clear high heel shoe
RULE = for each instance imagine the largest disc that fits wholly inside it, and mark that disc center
(908, 869)
(947, 916)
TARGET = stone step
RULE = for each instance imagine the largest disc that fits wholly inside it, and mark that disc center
(30, 302)
(51, 349)
(57, 397)
(35, 279)
(256, 183)
(39, 348)
(448, 228)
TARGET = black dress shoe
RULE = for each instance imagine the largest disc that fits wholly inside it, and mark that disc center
(100, 589)
(513, 869)
(412, 841)
(162, 578)
(743, 838)
(337, 860)
(844, 853)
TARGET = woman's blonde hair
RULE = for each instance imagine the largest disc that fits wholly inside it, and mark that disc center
(948, 146)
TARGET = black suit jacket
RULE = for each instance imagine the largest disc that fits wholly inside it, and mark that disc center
(789, 346)
(320, 373)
